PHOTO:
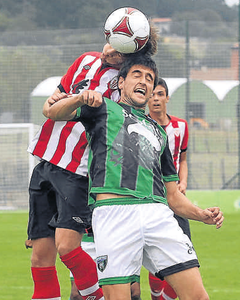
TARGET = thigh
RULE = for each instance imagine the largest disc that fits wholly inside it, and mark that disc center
(117, 291)
(167, 249)
(71, 191)
(119, 243)
(188, 284)
(42, 204)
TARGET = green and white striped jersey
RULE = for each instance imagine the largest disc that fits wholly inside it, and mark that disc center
(128, 155)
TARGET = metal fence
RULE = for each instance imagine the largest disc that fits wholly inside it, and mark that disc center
(198, 61)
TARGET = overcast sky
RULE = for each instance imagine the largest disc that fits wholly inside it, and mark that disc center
(232, 2)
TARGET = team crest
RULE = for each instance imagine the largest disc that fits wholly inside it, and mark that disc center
(102, 262)
(113, 84)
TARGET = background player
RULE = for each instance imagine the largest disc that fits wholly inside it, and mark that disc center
(177, 132)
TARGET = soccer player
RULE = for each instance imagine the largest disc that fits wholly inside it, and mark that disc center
(133, 181)
(58, 209)
(177, 132)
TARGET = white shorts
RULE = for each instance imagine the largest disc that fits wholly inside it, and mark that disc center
(88, 247)
(129, 236)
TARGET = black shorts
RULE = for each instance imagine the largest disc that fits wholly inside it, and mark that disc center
(57, 199)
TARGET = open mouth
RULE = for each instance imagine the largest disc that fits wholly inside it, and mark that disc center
(141, 91)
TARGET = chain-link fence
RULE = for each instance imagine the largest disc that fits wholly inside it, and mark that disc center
(198, 61)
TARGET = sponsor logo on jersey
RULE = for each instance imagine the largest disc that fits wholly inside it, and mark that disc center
(142, 130)
(77, 219)
(102, 262)
(87, 67)
(91, 297)
(77, 87)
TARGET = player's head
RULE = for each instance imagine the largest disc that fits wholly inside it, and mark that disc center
(159, 99)
(139, 59)
(137, 79)
(163, 83)
(111, 57)
(114, 58)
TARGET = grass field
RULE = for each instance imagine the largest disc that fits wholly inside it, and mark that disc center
(218, 252)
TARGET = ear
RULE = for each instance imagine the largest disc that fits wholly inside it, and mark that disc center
(120, 82)
(167, 99)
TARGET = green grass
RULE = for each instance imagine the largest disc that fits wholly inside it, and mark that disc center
(218, 252)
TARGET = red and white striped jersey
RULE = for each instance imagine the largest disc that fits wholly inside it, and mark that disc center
(64, 144)
(177, 132)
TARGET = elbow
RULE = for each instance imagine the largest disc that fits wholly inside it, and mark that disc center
(48, 114)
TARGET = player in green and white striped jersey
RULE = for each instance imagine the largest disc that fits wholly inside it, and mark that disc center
(133, 181)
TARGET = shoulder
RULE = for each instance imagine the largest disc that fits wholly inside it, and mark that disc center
(177, 119)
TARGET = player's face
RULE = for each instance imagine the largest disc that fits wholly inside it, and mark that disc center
(158, 100)
(111, 57)
(137, 87)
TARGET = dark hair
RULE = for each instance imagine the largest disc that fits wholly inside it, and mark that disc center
(138, 59)
(163, 83)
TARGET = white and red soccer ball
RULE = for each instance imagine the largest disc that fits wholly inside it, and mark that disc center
(127, 30)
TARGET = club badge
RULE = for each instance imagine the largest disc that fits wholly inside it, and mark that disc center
(102, 262)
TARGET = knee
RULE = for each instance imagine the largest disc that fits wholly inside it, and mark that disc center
(43, 254)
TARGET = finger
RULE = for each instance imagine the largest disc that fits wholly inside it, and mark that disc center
(220, 223)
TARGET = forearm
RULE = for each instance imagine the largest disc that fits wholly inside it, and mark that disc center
(183, 177)
(183, 207)
(64, 109)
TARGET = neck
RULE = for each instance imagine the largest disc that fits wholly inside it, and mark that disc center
(161, 118)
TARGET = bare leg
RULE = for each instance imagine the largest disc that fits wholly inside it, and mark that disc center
(117, 291)
(44, 252)
(188, 285)
(135, 291)
(74, 292)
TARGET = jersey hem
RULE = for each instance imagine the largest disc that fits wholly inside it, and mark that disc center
(127, 201)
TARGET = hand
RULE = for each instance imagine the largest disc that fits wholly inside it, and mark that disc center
(182, 188)
(91, 98)
(56, 97)
(213, 215)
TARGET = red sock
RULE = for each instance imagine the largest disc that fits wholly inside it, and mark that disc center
(46, 285)
(156, 286)
(169, 292)
(84, 272)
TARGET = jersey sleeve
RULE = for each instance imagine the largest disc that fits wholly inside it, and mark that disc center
(67, 79)
(168, 169)
(184, 144)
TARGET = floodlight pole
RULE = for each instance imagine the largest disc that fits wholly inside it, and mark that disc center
(238, 104)
(187, 100)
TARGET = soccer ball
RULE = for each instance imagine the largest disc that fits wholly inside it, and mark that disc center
(127, 30)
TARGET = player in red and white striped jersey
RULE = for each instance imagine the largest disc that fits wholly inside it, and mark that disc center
(177, 131)
(58, 189)
(59, 212)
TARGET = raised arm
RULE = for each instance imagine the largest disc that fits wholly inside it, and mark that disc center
(62, 107)
(183, 207)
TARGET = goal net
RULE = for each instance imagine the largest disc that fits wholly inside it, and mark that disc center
(16, 164)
